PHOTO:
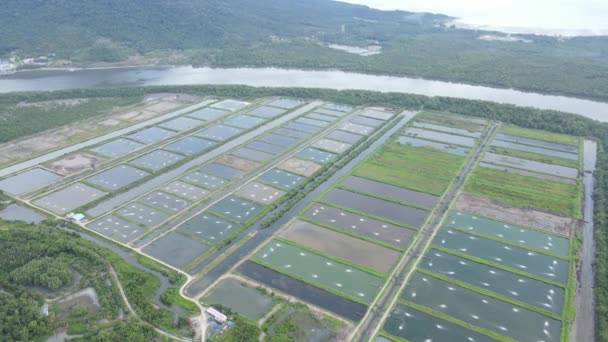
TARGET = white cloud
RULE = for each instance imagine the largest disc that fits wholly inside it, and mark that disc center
(549, 15)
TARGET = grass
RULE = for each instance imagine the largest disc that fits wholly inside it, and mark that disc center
(450, 120)
(418, 168)
(539, 135)
(537, 156)
(526, 191)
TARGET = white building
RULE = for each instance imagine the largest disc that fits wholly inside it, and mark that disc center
(217, 316)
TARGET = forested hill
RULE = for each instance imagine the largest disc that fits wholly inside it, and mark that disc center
(298, 34)
(65, 26)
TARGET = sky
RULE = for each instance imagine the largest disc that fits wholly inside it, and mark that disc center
(564, 17)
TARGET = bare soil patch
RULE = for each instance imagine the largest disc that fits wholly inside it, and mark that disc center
(75, 163)
(239, 163)
(300, 167)
(517, 215)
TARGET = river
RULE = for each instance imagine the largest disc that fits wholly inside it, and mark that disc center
(39, 80)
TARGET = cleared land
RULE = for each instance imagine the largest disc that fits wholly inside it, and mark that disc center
(75, 163)
(517, 215)
(527, 191)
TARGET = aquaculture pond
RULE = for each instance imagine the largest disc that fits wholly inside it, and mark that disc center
(349, 248)
(286, 103)
(220, 170)
(528, 290)
(446, 129)
(185, 190)
(390, 191)
(535, 263)
(219, 132)
(486, 312)
(116, 228)
(332, 146)
(278, 139)
(536, 142)
(27, 181)
(534, 149)
(507, 232)
(207, 114)
(230, 105)
(189, 145)
(165, 202)
(181, 124)
(69, 198)
(532, 165)
(344, 136)
(236, 209)
(205, 180)
(377, 207)
(244, 121)
(260, 193)
(252, 154)
(245, 300)
(141, 214)
(304, 291)
(281, 179)
(176, 249)
(266, 112)
(117, 147)
(415, 325)
(151, 135)
(319, 270)
(117, 177)
(207, 227)
(363, 120)
(416, 142)
(439, 136)
(157, 160)
(354, 223)
(265, 147)
(316, 155)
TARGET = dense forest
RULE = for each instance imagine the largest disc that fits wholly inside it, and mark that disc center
(526, 117)
(293, 33)
(42, 262)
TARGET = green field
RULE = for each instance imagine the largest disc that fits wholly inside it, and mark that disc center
(536, 156)
(528, 191)
(418, 168)
(539, 135)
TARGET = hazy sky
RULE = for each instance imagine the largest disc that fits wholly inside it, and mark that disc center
(556, 16)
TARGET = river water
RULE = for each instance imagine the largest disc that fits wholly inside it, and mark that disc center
(271, 77)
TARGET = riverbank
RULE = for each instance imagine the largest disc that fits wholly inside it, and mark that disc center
(290, 78)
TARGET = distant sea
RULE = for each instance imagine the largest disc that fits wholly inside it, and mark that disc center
(544, 17)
